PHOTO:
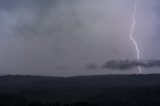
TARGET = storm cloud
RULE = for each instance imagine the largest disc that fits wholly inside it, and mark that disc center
(59, 37)
(128, 64)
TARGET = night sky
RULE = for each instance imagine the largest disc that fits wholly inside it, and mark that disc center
(61, 37)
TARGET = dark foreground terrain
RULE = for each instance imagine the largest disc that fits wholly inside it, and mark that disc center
(106, 90)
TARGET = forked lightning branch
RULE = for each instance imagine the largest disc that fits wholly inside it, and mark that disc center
(132, 32)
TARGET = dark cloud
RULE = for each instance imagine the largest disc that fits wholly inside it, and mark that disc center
(127, 64)
(92, 66)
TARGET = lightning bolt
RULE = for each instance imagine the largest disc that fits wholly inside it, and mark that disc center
(131, 34)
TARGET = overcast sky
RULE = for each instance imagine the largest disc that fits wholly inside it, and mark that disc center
(59, 37)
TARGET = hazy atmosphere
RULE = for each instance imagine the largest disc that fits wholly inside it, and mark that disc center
(75, 37)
